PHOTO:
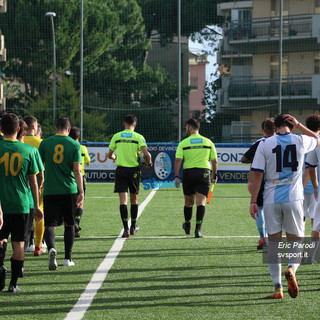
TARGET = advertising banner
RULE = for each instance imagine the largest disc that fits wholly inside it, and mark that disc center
(161, 174)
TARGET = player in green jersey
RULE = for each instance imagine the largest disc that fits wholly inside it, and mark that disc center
(75, 135)
(128, 144)
(62, 181)
(18, 169)
(196, 151)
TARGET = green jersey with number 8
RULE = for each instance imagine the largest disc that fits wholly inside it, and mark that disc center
(59, 153)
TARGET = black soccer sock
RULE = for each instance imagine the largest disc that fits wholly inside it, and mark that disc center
(134, 215)
(124, 215)
(3, 253)
(49, 237)
(200, 214)
(68, 241)
(79, 212)
(187, 214)
(16, 270)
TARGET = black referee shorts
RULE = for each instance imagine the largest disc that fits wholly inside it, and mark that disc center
(127, 178)
(196, 180)
(59, 208)
(14, 224)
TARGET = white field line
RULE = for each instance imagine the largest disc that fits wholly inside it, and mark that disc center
(164, 237)
(85, 300)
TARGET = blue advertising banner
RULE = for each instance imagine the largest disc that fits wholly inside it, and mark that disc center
(161, 174)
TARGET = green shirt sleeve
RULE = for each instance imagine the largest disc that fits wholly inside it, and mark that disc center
(142, 142)
(112, 145)
(179, 152)
(213, 154)
(86, 158)
(77, 154)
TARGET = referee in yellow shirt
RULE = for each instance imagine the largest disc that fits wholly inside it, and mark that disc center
(128, 144)
(196, 151)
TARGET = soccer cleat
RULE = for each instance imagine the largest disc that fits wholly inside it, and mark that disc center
(68, 263)
(14, 289)
(30, 248)
(293, 289)
(134, 230)
(3, 273)
(126, 233)
(77, 231)
(186, 227)
(277, 294)
(52, 259)
(198, 234)
(38, 251)
(261, 244)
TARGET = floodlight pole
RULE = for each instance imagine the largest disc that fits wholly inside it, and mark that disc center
(179, 71)
(51, 15)
(81, 75)
(280, 56)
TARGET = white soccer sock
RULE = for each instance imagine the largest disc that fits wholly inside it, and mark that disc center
(296, 250)
(274, 267)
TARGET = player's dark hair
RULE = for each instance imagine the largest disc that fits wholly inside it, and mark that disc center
(23, 127)
(280, 122)
(63, 123)
(9, 124)
(74, 133)
(262, 124)
(269, 126)
(195, 124)
(30, 121)
(313, 122)
(130, 119)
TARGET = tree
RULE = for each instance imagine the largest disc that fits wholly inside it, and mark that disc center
(196, 15)
(67, 105)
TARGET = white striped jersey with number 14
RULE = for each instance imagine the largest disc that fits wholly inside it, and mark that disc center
(281, 158)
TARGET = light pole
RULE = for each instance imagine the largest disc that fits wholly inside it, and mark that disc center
(51, 15)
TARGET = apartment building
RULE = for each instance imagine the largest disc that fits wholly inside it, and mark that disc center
(3, 9)
(250, 51)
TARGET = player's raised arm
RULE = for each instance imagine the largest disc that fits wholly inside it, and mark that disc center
(292, 120)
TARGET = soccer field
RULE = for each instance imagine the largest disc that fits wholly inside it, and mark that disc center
(160, 273)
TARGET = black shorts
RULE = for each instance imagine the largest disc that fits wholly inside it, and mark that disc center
(196, 180)
(59, 208)
(14, 224)
(127, 178)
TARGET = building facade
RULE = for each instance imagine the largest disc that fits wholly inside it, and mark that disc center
(250, 50)
(197, 83)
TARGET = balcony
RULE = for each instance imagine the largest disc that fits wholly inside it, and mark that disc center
(295, 28)
(238, 91)
(295, 87)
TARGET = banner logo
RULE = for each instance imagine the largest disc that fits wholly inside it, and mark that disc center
(162, 165)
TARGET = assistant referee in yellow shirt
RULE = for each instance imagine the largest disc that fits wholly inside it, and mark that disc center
(196, 151)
